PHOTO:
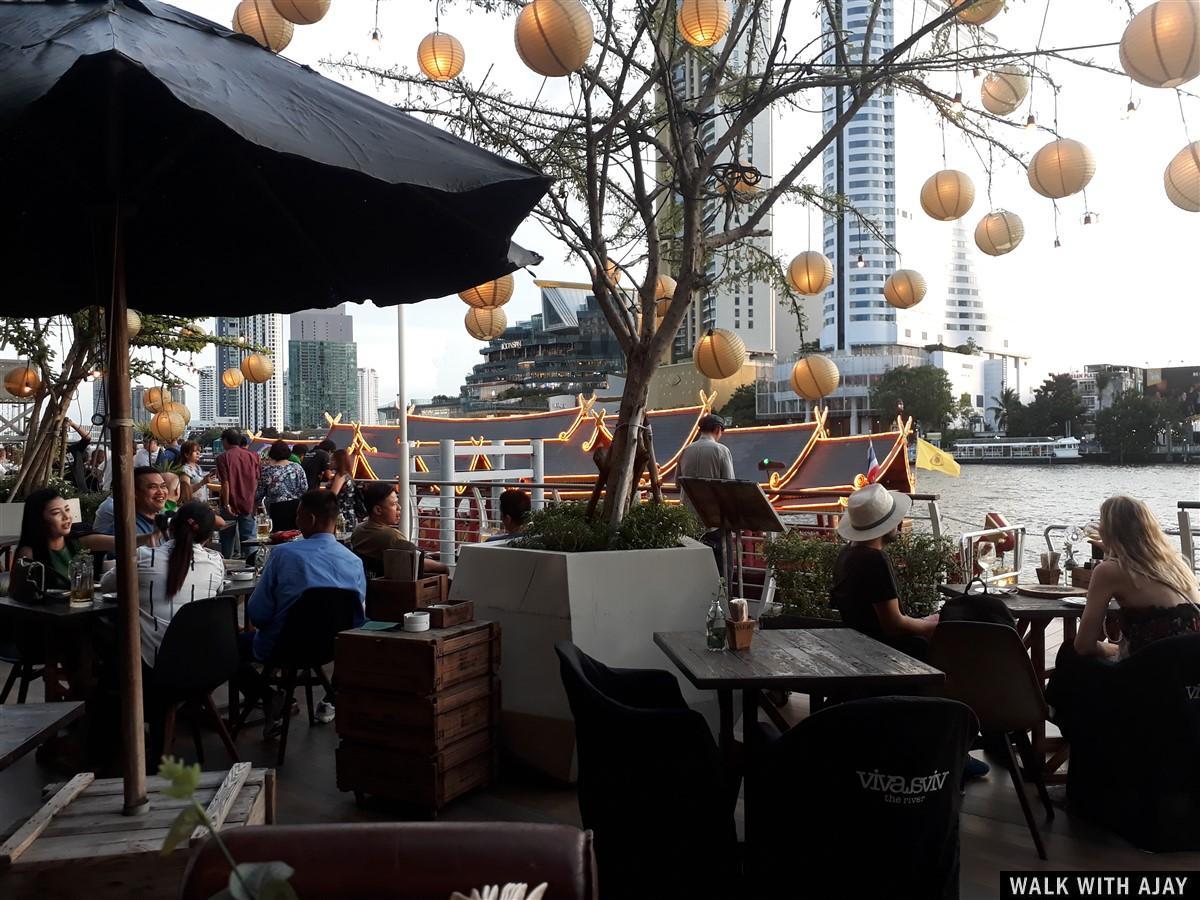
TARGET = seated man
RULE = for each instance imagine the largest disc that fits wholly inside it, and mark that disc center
(149, 499)
(318, 561)
(514, 510)
(379, 533)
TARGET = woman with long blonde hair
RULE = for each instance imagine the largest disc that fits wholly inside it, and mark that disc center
(1155, 590)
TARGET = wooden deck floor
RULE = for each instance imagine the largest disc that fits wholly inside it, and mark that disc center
(994, 836)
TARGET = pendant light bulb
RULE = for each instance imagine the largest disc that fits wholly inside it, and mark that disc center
(1031, 122)
(1057, 243)
(956, 105)
(376, 38)
(861, 263)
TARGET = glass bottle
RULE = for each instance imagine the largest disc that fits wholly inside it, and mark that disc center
(340, 527)
(81, 573)
(714, 622)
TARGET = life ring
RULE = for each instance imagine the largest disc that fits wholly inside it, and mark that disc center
(1004, 542)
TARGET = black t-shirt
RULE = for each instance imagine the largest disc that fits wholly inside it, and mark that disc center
(314, 463)
(862, 577)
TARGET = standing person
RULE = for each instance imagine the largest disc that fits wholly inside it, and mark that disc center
(342, 486)
(189, 455)
(170, 453)
(292, 568)
(280, 479)
(317, 461)
(237, 470)
(707, 457)
(97, 469)
(181, 570)
(78, 452)
(149, 454)
(7, 466)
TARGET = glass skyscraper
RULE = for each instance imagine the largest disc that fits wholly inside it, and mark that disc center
(322, 368)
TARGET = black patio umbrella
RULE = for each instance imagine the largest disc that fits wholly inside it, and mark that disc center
(156, 159)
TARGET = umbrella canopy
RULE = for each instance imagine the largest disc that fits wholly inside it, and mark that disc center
(246, 183)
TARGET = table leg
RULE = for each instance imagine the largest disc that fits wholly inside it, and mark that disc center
(725, 729)
(1037, 655)
(750, 756)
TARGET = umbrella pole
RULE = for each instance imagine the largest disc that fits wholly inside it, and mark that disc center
(402, 482)
(133, 746)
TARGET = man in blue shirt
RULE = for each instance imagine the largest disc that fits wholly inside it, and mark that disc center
(317, 561)
(149, 497)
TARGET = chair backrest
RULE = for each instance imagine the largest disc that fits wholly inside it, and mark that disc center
(988, 668)
(199, 650)
(283, 515)
(405, 860)
(1162, 681)
(311, 625)
(863, 799)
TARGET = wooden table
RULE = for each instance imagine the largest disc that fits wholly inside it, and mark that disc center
(820, 661)
(61, 624)
(26, 726)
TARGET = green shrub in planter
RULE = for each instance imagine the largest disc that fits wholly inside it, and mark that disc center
(565, 528)
(803, 563)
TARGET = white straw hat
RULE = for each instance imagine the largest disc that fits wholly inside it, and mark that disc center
(872, 512)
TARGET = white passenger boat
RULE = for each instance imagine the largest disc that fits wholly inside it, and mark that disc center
(1017, 450)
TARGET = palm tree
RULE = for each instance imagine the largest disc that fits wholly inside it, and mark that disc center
(1003, 406)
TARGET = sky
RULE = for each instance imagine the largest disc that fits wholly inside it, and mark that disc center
(1122, 290)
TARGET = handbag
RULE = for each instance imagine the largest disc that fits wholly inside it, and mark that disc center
(982, 606)
(29, 581)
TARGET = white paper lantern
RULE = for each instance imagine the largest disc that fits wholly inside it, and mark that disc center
(702, 22)
(133, 323)
(904, 288)
(999, 232)
(1182, 178)
(554, 37)
(810, 273)
(257, 368)
(486, 324)
(441, 56)
(1161, 46)
(815, 377)
(719, 354)
(156, 399)
(664, 291)
(232, 378)
(302, 12)
(947, 195)
(1003, 90)
(167, 425)
(1061, 168)
(261, 20)
(978, 13)
(490, 294)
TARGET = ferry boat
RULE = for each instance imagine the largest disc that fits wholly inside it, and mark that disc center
(1018, 450)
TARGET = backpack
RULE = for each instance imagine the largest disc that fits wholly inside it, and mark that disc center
(981, 607)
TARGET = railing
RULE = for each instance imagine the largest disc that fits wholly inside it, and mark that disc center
(969, 554)
(1187, 542)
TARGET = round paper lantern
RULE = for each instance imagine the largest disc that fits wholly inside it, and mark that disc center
(441, 56)
(904, 288)
(1061, 168)
(1161, 46)
(814, 377)
(554, 37)
(810, 273)
(133, 323)
(257, 368)
(156, 399)
(261, 20)
(1182, 178)
(719, 353)
(664, 291)
(1003, 90)
(947, 195)
(491, 294)
(978, 13)
(177, 407)
(486, 323)
(232, 378)
(302, 12)
(22, 382)
(999, 232)
(702, 22)
(167, 425)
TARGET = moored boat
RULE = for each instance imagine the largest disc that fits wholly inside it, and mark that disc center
(1003, 450)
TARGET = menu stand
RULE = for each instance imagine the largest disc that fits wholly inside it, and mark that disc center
(733, 507)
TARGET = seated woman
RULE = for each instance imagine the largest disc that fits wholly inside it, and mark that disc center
(1154, 588)
(181, 570)
(50, 537)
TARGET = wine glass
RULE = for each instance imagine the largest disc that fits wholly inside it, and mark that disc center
(986, 558)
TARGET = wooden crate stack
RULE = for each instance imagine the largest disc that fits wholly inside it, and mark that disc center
(417, 712)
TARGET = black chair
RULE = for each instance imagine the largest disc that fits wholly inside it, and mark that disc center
(26, 656)
(304, 645)
(199, 653)
(1134, 731)
(651, 783)
(862, 800)
(283, 515)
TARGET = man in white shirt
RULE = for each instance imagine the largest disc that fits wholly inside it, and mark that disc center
(707, 457)
(149, 454)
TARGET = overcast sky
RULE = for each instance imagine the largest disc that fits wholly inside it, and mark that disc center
(1121, 290)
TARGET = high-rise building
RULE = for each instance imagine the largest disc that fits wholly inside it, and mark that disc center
(229, 401)
(966, 316)
(262, 404)
(748, 307)
(137, 397)
(322, 368)
(368, 396)
(208, 394)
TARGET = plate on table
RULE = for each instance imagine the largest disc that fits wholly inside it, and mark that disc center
(1051, 591)
(107, 597)
(1075, 601)
(241, 575)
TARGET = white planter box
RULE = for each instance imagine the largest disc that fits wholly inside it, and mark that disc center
(609, 604)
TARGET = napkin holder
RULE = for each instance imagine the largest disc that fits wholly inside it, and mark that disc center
(738, 635)
(389, 599)
(1049, 576)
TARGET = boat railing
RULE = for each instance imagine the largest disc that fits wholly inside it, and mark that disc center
(969, 554)
(1187, 541)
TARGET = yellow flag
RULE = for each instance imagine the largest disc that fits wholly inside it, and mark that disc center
(930, 457)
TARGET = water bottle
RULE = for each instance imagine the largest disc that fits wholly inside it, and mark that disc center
(714, 623)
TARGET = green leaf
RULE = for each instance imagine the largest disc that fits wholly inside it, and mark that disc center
(261, 881)
(184, 779)
(181, 829)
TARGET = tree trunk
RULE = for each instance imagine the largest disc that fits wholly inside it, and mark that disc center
(620, 487)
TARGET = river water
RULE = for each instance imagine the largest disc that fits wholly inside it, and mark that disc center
(1036, 496)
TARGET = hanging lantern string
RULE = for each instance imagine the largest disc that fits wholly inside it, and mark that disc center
(942, 124)
(1036, 51)
(1183, 116)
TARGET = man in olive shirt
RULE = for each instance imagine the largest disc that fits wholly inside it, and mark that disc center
(379, 533)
